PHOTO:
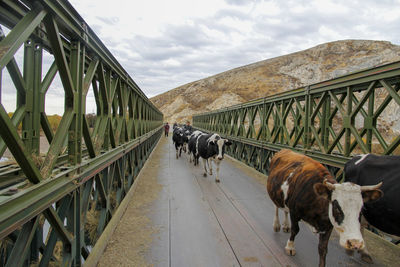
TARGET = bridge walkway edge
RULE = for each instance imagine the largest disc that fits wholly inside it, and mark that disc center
(97, 252)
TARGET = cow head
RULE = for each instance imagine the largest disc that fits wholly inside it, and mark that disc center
(218, 145)
(187, 136)
(179, 131)
(345, 203)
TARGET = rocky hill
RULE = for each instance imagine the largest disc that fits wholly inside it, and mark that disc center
(268, 77)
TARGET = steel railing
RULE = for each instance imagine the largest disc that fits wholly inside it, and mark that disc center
(330, 121)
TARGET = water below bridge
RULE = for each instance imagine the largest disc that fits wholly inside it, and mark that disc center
(190, 220)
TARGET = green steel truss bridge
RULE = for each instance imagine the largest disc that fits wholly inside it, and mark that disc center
(85, 166)
(329, 121)
(91, 163)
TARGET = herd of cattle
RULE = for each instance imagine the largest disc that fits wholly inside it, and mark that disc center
(306, 191)
(210, 147)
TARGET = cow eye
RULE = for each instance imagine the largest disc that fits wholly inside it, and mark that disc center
(337, 212)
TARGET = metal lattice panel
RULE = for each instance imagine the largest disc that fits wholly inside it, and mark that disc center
(62, 198)
(329, 121)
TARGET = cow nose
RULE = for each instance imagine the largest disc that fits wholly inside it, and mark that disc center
(354, 244)
(220, 158)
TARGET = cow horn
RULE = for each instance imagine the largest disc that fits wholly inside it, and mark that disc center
(329, 185)
(370, 187)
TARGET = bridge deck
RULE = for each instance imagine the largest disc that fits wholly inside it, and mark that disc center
(192, 221)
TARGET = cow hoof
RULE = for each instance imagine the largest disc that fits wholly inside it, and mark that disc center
(217, 180)
(277, 228)
(205, 174)
(366, 258)
(285, 228)
(290, 251)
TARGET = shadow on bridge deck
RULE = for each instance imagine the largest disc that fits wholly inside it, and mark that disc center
(200, 223)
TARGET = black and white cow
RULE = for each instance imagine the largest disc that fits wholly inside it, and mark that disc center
(192, 147)
(187, 133)
(384, 213)
(179, 138)
(305, 189)
(211, 147)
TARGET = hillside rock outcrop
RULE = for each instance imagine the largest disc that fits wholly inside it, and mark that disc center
(271, 76)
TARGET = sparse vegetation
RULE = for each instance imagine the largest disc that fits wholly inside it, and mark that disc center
(274, 75)
(54, 120)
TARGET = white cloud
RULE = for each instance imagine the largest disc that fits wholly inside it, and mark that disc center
(171, 63)
(329, 33)
(270, 8)
(330, 7)
(195, 38)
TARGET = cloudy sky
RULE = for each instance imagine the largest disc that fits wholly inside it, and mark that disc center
(163, 44)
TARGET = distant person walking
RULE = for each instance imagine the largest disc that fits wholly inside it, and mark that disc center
(188, 127)
(166, 129)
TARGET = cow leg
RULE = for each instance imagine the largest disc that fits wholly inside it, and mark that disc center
(209, 165)
(277, 224)
(217, 171)
(205, 167)
(290, 250)
(323, 246)
(180, 151)
(286, 225)
(365, 256)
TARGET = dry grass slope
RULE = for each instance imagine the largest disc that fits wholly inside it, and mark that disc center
(274, 75)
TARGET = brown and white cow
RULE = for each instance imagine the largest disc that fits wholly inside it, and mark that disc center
(305, 190)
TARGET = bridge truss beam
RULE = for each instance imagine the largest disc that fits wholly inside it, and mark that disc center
(329, 121)
(62, 198)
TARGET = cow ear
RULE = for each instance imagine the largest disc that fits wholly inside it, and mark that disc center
(322, 190)
(371, 195)
(227, 142)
